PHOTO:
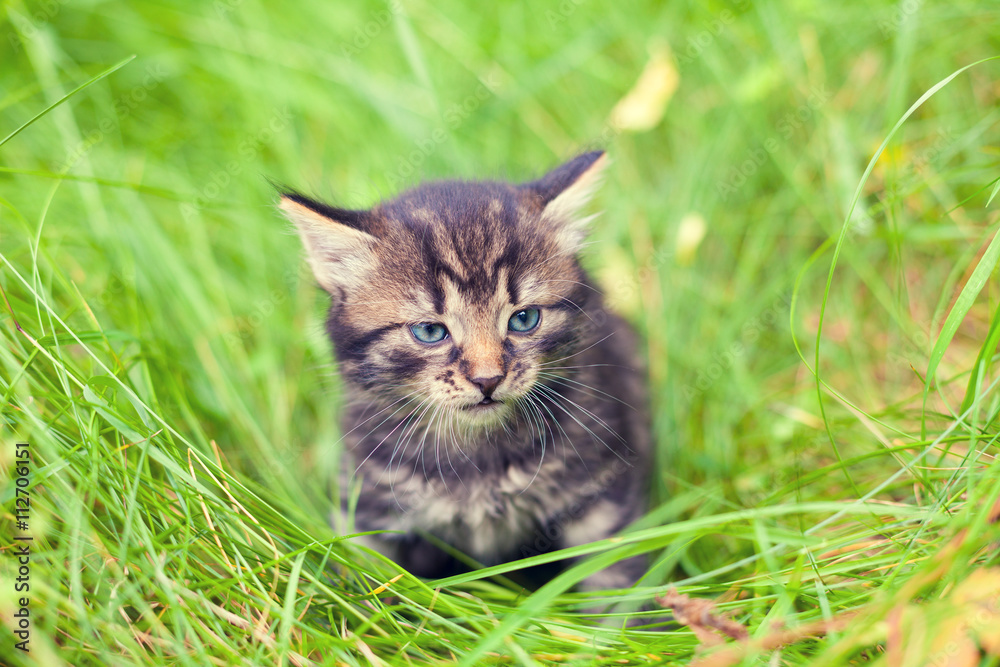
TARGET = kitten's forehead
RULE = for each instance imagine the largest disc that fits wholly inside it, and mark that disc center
(468, 214)
(472, 241)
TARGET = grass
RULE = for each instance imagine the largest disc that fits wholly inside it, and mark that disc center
(822, 360)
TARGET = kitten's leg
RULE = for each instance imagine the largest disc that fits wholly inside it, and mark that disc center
(412, 552)
(623, 574)
(601, 520)
(418, 556)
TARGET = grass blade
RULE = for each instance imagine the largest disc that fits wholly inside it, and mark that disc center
(107, 72)
(958, 312)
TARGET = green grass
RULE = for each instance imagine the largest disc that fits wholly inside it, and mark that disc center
(180, 399)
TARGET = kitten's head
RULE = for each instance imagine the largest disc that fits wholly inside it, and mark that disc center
(455, 294)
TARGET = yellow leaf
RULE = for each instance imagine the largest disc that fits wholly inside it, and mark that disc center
(642, 107)
(384, 587)
(690, 233)
(981, 585)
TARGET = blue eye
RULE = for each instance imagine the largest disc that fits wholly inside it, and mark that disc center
(429, 332)
(524, 320)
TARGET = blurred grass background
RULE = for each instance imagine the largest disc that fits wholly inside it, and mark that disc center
(180, 398)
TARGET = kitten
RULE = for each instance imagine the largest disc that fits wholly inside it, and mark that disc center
(501, 410)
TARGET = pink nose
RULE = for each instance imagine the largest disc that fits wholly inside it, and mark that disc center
(487, 385)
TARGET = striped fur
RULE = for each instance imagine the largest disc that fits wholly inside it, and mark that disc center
(557, 453)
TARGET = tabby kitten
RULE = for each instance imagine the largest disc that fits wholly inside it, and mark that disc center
(500, 407)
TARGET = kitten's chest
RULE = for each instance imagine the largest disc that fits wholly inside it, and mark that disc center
(486, 515)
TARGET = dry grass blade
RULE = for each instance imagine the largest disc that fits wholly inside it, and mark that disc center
(700, 616)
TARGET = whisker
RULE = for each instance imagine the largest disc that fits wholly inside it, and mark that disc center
(564, 380)
(575, 282)
(447, 453)
(589, 414)
(362, 423)
(375, 448)
(541, 438)
(555, 398)
(564, 436)
(418, 422)
(578, 351)
(628, 368)
(408, 434)
(413, 420)
(421, 448)
(458, 446)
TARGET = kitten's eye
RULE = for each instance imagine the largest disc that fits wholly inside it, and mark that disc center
(429, 332)
(524, 320)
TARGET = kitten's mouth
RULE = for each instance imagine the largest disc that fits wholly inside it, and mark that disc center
(485, 404)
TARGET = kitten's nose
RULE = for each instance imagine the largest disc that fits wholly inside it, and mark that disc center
(487, 385)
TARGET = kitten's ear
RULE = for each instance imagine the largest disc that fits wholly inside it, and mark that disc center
(565, 190)
(338, 248)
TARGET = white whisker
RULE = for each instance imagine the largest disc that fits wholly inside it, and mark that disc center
(555, 398)
(564, 380)
(553, 361)
(398, 410)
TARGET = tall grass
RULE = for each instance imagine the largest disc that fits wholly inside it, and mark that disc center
(821, 336)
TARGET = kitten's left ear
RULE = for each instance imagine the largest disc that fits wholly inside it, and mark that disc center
(565, 190)
(338, 242)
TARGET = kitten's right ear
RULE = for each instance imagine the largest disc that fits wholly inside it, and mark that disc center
(563, 193)
(339, 251)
